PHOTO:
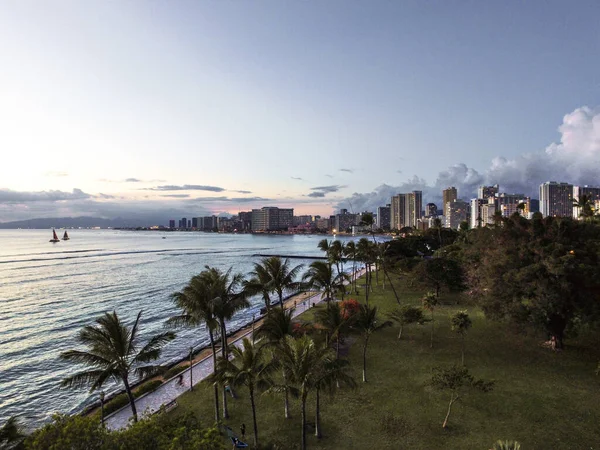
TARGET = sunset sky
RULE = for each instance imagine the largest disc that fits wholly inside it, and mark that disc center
(109, 107)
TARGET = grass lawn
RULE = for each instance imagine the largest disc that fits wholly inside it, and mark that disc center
(546, 400)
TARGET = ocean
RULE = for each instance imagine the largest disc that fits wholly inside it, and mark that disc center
(48, 292)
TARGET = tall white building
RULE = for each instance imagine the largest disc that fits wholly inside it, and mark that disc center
(556, 199)
(405, 210)
(456, 212)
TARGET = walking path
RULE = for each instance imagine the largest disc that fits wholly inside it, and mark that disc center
(151, 402)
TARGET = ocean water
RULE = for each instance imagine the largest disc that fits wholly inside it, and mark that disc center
(48, 292)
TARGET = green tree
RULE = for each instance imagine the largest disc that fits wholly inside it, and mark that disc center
(461, 322)
(366, 254)
(454, 379)
(407, 315)
(334, 323)
(196, 303)
(282, 276)
(350, 252)
(248, 368)
(259, 283)
(366, 323)
(229, 298)
(585, 206)
(11, 434)
(430, 301)
(113, 354)
(320, 276)
(437, 273)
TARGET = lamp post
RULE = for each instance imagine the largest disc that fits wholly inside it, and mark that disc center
(253, 316)
(191, 368)
(102, 408)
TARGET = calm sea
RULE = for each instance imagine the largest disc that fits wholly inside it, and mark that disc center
(49, 291)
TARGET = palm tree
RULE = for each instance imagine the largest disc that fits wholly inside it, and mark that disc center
(11, 434)
(334, 323)
(366, 255)
(350, 252)
(365, 322)
(430, 301)
(274, 329)
(461, 322)
(259, 283)
(585, 205)
(229, 298)
(248, 368)
(320, 276)
(196, 304)
(283, 277)
(113, 353)
(303, 361)
(406, 315)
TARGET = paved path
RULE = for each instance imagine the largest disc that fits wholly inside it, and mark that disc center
(171, 389)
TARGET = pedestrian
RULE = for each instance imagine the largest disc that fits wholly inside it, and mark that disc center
(180, 380)
(243, 431)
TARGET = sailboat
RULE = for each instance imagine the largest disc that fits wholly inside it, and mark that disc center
(54, 239)
(66, 236)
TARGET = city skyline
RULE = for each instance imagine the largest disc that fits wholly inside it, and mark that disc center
(198, 108)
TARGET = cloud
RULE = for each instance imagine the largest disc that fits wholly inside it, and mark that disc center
(176, 195)
(187, 187)
(347, 170)
(328, 175)
(297, 178)
(316, 194)
(104, 196)
(574, 159)
(328, 189)
(56, 174)
(10, 196)
(132, 180)
(243, 192)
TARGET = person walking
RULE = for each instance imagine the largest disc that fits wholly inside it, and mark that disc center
(243, 431)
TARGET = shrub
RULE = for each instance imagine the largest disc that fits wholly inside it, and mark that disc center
(117, 402)
(349, 307)
(147, 387)
(176, 370)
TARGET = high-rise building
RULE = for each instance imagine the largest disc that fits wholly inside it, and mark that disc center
(457, 211)
(405, 210)
(344, 221)
(476, 216)
(270, 218)
(301, 220)
(397, 211)
(448, 195)
(593, 193)
(415, 207)
(431, 210)
(183, 223)
(172, 223)
(245, 218)
(556, 199)
(383, 217)
(487, 191)
(508, 204)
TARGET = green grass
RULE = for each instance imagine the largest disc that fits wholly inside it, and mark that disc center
(543, 399)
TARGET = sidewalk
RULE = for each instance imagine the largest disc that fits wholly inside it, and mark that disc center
(151, 402)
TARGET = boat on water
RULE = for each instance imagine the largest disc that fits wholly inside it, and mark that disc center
(55, 238)
(65, 236)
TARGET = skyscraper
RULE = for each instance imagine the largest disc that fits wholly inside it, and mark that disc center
(487, 191)
(383, 217)
(405, 210)
(456, 212)
(593, 193)
(556, 199)
(271, 218)
(430, 210)
(448, 195)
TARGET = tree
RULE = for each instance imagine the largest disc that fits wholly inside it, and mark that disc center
(229, 298)
(461, 322)
(439, 272)
(259, 283)
(274, 329)
(282, 276)
(196, 302)
(113, 354)
(453, 379)
(248, 368)
(430, 301)
(366, 254)
(11, 434)
(585, 206)
(366, 323)
(334, 323)
(320, 276)
(304, 360)
(406, 315)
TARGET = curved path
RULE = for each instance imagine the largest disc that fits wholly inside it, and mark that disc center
(151, 402)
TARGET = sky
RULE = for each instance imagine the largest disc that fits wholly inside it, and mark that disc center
(113, 108)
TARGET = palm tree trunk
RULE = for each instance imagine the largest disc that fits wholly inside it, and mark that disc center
(365, 360)
(303, 422)
(432, 324)
(131, 398)
(224, 355)
(214, 354)
(318, 416)
(400, 334)
(281, 300)
(254, 418)
(452, 400)
(286, 399)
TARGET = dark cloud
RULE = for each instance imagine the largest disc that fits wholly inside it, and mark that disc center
(10, 196)
(176, 195)
(187, 187)
(347, 170)
(249, 199)
(328, 189)
(297, 178)
(243, 192)
(316, 194)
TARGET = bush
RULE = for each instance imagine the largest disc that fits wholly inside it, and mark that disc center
(147, 387)
(115, 403)
(174, 371)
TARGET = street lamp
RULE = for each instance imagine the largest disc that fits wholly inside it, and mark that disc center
(191, 368)
(102, 408)
(253, 316)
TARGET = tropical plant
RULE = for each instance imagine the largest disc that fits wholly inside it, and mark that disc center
(350, 252)
(366, 323)
(113, 354)
(282, 276)
(506, 445)
(366, 254)
(196, 303)
(11, 434)
(248, 368)
(453, 379)
(228, 298)
(259, 283)
(461, 322)
(320, 276)
(407, 315)
(430, 301)
(335, 324)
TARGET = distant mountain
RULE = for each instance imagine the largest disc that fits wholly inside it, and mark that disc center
(75, 222)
